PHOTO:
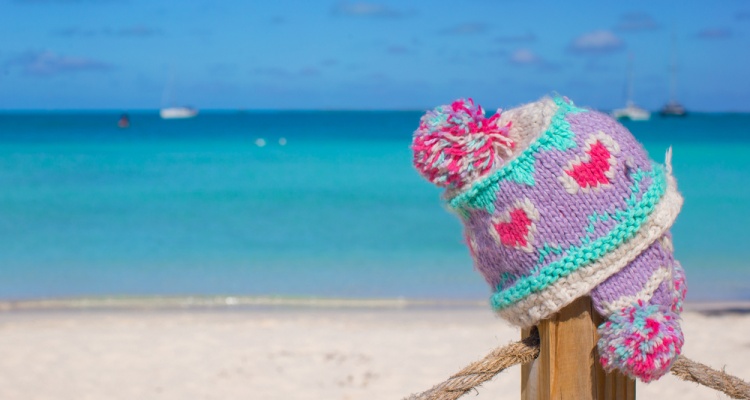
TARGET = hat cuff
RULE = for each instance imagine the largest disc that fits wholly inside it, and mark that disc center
(663, 274)
(540, 305)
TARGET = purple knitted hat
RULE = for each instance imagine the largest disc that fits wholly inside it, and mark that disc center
(560, 202)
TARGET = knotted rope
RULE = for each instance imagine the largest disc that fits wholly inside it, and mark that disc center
(526, 350)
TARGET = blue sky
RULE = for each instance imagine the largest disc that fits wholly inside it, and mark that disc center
(118, 54)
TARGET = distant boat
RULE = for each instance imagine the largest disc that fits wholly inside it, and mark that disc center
(631, 110)
(673, 108)
(177, 112)
(124, 121)
(171, 111)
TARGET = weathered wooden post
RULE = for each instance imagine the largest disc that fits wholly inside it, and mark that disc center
(568, 364)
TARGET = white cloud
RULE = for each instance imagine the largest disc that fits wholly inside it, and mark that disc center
(596, 42)
(365, 9)
(48, 63)
(524, 57)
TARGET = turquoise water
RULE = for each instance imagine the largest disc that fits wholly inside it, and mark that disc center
(195, 207)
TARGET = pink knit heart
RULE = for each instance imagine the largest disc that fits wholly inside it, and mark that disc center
(594, 171)
(515, 233)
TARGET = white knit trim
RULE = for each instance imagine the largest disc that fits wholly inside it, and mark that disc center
(528, 123)
(644, 295)
(666, 244)
(538, 306)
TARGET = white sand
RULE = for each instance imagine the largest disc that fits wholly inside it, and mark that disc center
(287, 353)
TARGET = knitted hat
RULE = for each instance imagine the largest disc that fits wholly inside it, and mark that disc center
(560, 202)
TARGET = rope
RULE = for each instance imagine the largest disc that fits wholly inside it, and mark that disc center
(526, 350)
(483, 370)
(689, 370)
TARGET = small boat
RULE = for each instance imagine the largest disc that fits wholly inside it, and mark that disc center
(169, 110)
(123, 122)
(177, 112)
(673, 108)
(631, 110)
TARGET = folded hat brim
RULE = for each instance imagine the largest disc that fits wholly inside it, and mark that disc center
(541, 304)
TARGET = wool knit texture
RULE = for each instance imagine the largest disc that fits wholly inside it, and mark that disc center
(560, 202)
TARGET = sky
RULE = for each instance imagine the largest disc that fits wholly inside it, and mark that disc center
(407, 54)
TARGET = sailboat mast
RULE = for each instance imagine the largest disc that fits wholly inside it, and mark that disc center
(630, 79)
(167, 96)
(673, 71)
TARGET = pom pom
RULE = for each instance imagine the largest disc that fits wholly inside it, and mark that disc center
(456, 143)
(642, 341)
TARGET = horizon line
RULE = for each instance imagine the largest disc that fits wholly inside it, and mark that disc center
(263, 110)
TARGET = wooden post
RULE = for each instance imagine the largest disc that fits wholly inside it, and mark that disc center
(568, 364)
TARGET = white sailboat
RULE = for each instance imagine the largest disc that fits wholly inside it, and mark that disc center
(177, 112)
(631, 110)
(174, 112)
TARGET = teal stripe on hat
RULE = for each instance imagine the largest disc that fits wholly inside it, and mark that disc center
(558, 136)
(579, 256)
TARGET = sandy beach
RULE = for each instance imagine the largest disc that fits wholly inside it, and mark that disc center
(381, 351)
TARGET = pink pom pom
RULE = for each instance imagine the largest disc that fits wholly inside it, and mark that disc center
(642, 341)
(455, 144)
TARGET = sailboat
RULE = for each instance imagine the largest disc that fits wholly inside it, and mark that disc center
(174, 112)
(177, 112)
(631, 110)
(673, 108)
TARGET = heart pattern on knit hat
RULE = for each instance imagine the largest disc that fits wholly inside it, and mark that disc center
(515, 227)
(596, 169)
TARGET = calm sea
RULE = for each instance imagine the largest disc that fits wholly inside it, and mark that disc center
(196, 207)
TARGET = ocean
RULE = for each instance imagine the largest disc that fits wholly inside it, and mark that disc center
(196, 207)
